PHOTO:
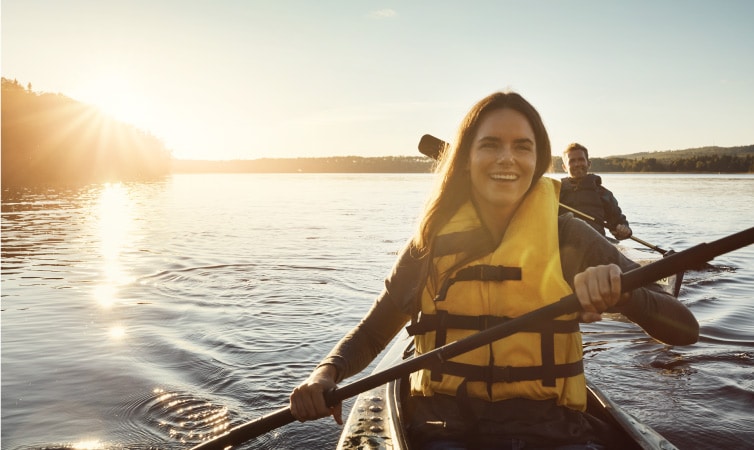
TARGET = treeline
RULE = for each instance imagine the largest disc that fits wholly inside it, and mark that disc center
(711, 163)
(50, 138)
(333, 164)
(741, 150)
(694, 164)
(698, 163)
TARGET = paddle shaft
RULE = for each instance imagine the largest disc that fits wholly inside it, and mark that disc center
(632, 237)
(433, 147)
(630, 280)
(283, 416)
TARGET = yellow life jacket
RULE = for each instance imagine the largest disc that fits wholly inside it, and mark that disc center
(521, 274)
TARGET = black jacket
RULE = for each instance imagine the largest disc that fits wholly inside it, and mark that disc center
(589, 196)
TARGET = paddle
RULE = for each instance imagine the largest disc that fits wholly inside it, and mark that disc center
(604, 224)
(629, 281)
(433, 147)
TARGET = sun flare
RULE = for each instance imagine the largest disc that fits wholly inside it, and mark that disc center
(116, 96)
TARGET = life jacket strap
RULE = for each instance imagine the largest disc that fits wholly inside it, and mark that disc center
(435, 322)
(442, 321)
(508, 374)
(481, 272)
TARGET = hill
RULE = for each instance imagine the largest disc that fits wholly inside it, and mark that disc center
(51, 139)
(738, 159)
(692, 152)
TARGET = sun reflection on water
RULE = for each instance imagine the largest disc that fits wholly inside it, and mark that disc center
(88, 445)
(115, 231)
(189, 419)
(117, 332)
(105, 295)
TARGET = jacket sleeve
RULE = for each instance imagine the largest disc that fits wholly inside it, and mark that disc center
(388, 314)
(660, 314)
(613, 214)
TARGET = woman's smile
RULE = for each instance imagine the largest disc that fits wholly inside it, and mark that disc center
(504, 176)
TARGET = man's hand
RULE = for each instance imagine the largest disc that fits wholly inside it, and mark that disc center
(622, 232)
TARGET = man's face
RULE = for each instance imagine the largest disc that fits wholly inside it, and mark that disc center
(576, 164)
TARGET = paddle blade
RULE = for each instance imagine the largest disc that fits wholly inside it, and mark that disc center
(431, 146)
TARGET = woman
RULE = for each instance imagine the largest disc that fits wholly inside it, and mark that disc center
(491, 246)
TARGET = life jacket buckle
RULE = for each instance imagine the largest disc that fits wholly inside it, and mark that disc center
(501, 374)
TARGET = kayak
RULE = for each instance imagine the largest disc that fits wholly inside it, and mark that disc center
(375, 420)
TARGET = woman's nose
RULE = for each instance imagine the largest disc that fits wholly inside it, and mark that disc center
(504, 154)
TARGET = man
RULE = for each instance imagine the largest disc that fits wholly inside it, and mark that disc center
(584, 192)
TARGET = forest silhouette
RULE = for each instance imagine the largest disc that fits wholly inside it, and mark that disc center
(53, 139)
(50, 139)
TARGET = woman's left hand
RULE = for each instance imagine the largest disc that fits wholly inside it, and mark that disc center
(598, 288)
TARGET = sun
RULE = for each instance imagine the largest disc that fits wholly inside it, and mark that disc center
(116, 96)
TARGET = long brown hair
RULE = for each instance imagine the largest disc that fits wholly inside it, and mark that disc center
(453, 187)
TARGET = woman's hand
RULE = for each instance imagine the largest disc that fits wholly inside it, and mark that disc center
(308, 399)
(598, 288)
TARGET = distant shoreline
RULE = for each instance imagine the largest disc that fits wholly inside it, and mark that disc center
(423, 164)
(335, 164)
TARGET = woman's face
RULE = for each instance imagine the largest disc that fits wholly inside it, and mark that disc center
(502, 161)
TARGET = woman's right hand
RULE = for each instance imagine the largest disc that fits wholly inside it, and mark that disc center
(308, 399)
(598, 289)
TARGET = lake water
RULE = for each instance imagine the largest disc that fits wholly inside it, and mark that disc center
(152, 315)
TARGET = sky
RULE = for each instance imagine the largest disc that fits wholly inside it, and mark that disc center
(248, 79)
